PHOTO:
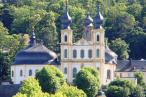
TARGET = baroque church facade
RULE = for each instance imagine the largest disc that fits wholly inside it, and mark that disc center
(90, 51)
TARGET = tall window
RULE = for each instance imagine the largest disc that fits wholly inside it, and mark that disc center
(82, 54)
(21, 73)
(108, 74)
(97, 38)
(90, 53)
(97, 53)
(30, 72)
(65, 38)
(74, 53)
(65, 70)
(12, 73)
(65, 53)
(74, 72)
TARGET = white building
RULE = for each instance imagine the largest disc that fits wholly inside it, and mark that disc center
(31, 59)
(88, 51)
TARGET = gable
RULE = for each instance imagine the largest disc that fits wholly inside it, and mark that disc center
(83, 42)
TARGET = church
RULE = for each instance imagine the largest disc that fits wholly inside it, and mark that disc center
(90, 51)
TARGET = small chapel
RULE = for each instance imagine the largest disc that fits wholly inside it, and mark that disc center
(90, 51)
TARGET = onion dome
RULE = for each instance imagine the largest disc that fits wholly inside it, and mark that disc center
(66, 19)
(35, 54)
(88, 20)
(98, 20)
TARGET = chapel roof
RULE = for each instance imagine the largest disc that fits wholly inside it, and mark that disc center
(35, 53)
(131, 65)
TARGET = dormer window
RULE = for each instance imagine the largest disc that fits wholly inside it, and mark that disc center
(65, 38)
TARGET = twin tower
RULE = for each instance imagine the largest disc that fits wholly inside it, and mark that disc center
(89, 51)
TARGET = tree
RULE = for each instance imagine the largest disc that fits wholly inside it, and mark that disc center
(20, 95)
(50, 79)
(6, 18)
(136, 39)
(115, 91)
(124, 88)
(8, 49)
(30, 86)
(88, 80)
(120, 47)
(71, 91)
(135, 10)
(119, 24)
(140, 78)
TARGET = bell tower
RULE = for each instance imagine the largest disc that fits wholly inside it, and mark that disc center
(98, 41)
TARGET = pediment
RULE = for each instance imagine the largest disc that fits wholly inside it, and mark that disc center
(83, 41)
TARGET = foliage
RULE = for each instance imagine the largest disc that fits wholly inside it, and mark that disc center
(50, 79)
(88, 80)
(115, 91)
(8, 49)
(124, 88)
(120, 47)
(20, 95)
(71, 91)
(140, 78)
(30, 86)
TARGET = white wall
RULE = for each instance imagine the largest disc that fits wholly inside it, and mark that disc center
(25, 68)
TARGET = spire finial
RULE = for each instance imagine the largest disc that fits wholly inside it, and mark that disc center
(33, 38)
(66, 19)
(98, 20)
(66, 1)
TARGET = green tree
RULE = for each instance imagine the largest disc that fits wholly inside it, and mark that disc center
(20, 95)
(140, 78)
(124, 88)
(6, 18)
(120, 47)
(30, 86)
(50, 79)
(71, 91)
(8, 49)
(115, 91)
(135, 10)
(88, 80)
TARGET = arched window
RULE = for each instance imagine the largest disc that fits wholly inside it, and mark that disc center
(65, 38)
(97, 53)
(74, 53)
(65, 70)
(90, 53)
(108, 74)
(12, 73)
(65, 53)
(97, 38)
(30, 72)
(21, 73)
(74, 72)
(82, 54)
